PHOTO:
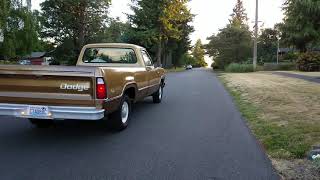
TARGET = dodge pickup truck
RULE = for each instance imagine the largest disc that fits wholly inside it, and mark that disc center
(107, 80)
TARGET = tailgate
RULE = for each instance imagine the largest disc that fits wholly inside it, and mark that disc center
(47, 85)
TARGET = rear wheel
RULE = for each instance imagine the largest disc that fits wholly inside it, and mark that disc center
(120, 118)
(41, 123)
(157, 96)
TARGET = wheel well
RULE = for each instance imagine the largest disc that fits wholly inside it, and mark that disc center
(162, 82)
(131, 92)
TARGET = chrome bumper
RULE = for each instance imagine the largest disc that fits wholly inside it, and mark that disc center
(56, 112)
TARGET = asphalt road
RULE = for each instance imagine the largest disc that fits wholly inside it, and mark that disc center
(196, 133)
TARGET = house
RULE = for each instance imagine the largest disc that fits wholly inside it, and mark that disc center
(38, 58)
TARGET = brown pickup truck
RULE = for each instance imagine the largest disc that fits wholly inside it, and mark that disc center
(106, 81)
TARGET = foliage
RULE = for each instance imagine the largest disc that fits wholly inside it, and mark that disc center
(161, 26)
(76, 21)
(239, 16)
(233, 43)
(4, 13)
(239, 68)
(187, 59)
(214, 65)
(290, 56)
(316, 163)
(301, 26)
(20, 31)
(309, 61)
(279, 67)
(198, 54)
(113, 32)
(267, 46)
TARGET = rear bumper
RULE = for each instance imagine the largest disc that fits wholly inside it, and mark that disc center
(56, 112)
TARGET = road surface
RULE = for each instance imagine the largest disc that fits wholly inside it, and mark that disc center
(196, 133)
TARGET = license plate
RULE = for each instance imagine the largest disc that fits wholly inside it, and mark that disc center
(38, 111)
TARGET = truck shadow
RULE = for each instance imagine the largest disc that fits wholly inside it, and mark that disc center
(16, 134)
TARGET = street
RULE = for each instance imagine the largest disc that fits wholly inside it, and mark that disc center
(195, 133)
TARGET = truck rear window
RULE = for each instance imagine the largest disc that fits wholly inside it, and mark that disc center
(109, 55)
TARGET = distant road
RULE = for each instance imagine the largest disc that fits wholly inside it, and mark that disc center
(196, 133)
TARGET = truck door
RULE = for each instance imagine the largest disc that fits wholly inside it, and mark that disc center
(152, 74)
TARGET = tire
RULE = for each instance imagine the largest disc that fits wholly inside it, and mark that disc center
(41, 123)
(157, 96)
(120, 118)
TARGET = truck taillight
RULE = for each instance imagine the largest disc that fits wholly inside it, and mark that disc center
(101, 89)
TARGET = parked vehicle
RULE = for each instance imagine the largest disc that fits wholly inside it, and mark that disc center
(188, 67)
(24, 62)
(106, 81)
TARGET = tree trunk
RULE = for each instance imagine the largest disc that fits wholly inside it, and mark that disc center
(159, 52)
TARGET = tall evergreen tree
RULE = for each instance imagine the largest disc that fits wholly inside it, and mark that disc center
(233, 43)
(198, 53)
(239, 16)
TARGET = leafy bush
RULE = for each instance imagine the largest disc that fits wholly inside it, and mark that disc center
(290, 56)
(214, 65)
(279, 67)
(6, 62)
(309, 61)
(239, 68)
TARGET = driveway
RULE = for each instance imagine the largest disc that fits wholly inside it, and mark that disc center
(298, 76)
(196, 133)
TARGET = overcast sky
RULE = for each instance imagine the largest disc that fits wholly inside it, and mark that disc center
(211, 14)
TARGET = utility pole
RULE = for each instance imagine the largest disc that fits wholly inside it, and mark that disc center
(255, 48)
(278, 50)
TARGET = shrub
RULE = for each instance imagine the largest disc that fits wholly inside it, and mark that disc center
(309, 61)
(291, 56)
(279, 67)
(6, 62)
(214, 65)
(239, 68)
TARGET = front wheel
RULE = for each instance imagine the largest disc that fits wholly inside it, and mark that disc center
(120, 118)
(157, 96)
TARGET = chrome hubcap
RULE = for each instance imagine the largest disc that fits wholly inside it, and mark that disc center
(125, 112)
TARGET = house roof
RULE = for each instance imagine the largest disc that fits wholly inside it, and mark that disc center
(37, 54)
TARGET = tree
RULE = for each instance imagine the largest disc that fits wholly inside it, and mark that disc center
(19, 30)
(239, 17)
(78, 21)
(301, 26)
(267, 46)
(4, 6)
(114, 32)
(233, 43)
(158, 23)
(230, 45)
(198, 54)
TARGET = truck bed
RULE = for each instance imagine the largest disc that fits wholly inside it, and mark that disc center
(48, 85)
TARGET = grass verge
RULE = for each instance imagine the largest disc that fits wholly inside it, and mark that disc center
(280, 142)
(283, 113)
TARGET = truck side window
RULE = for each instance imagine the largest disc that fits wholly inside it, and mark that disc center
(146, 58)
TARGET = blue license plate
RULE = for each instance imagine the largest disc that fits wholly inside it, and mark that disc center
(38, 111)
